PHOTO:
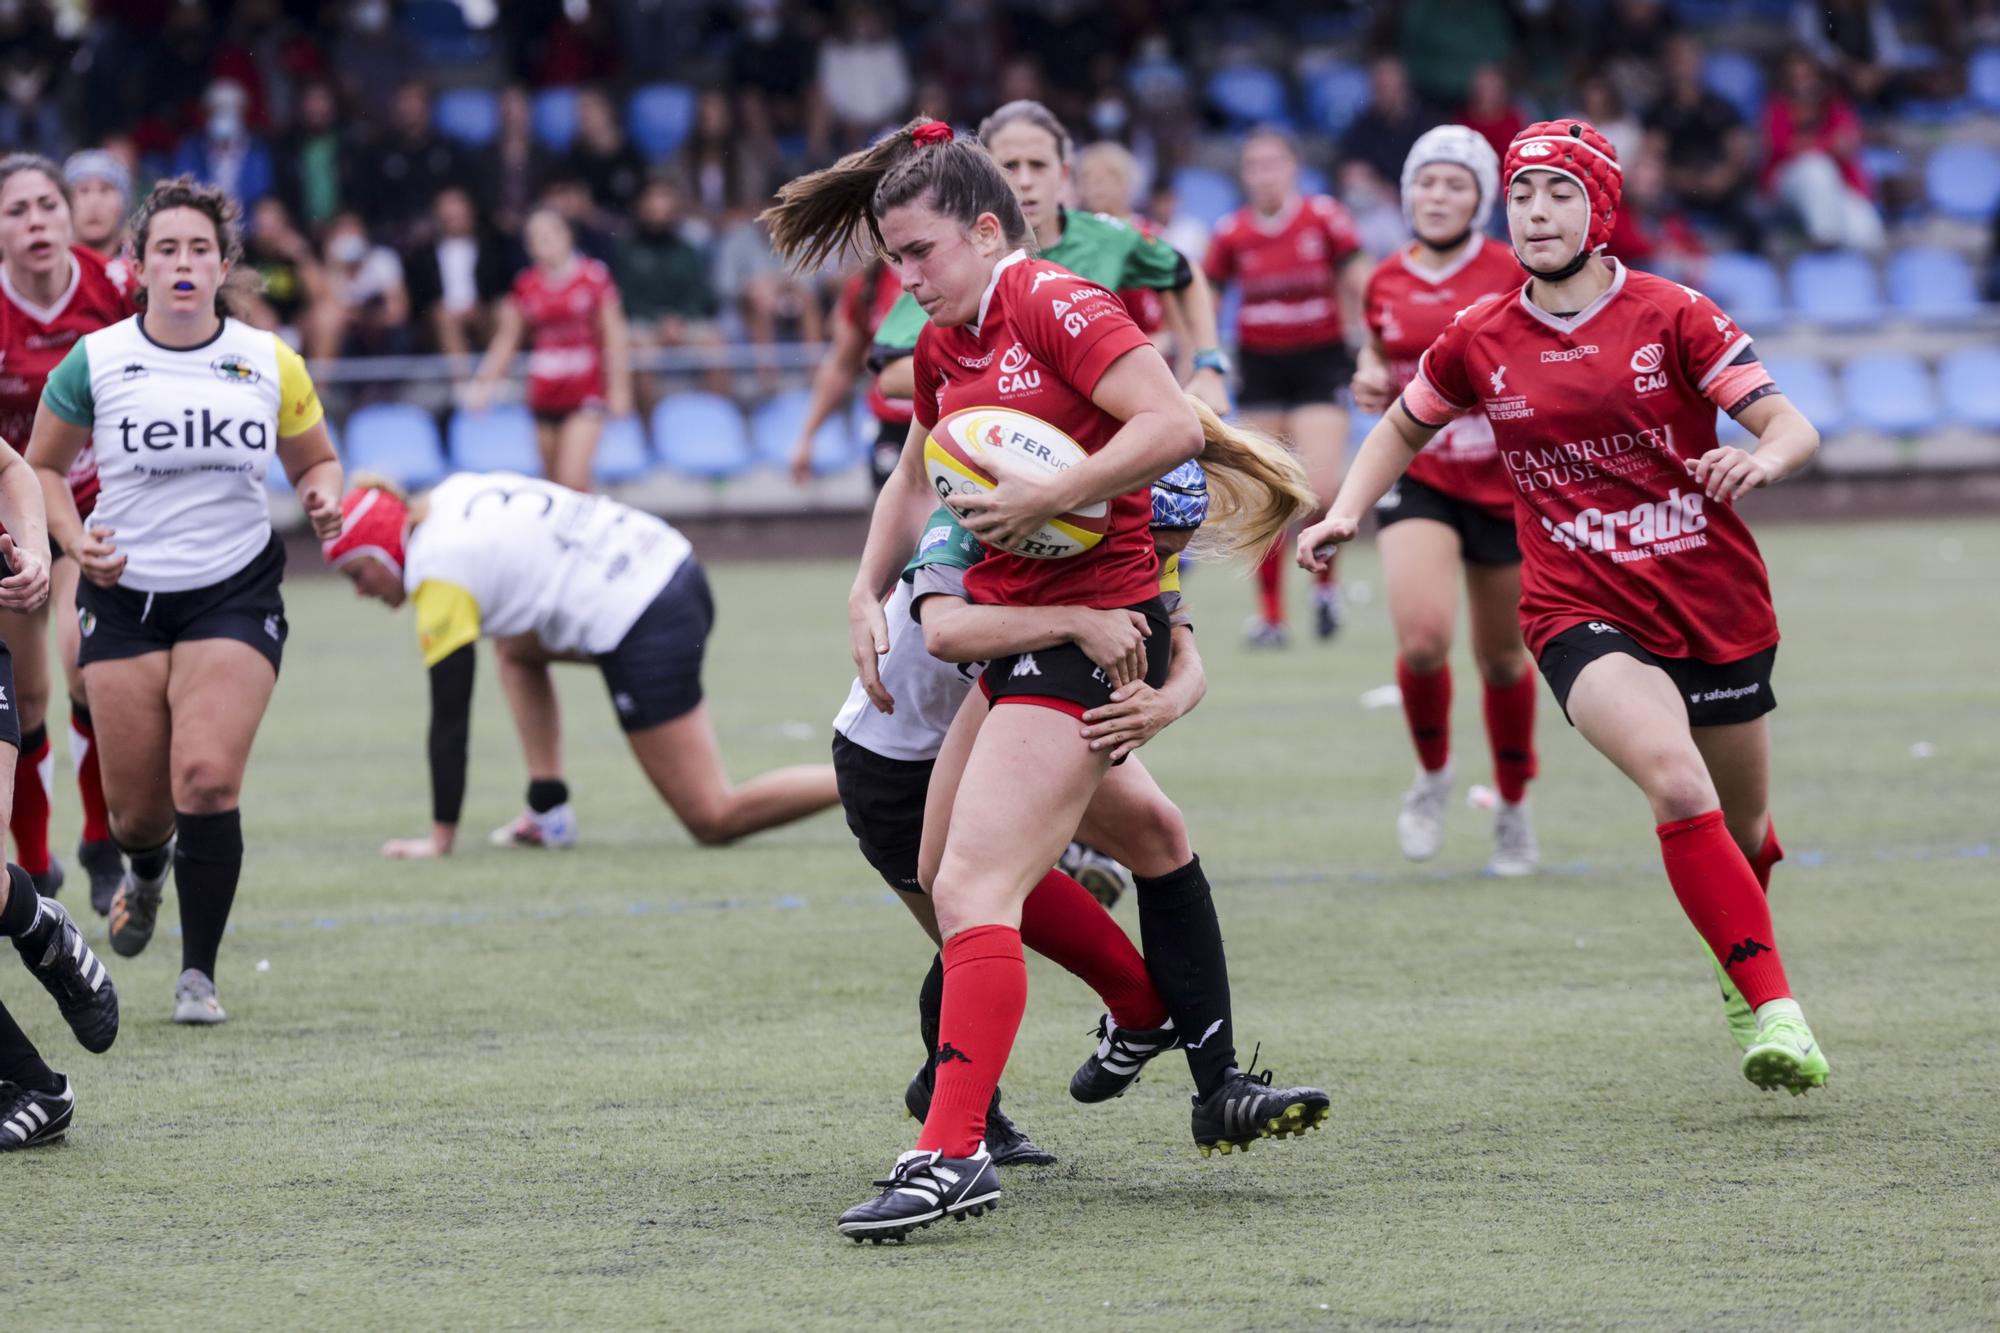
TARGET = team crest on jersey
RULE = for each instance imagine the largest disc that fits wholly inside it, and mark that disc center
(233, 369)
(86, 621)
(1016, 374)
(1647, 376)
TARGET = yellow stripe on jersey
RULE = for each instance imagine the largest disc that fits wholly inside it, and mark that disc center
(299, 409)
(1170, 573)
(447, 619)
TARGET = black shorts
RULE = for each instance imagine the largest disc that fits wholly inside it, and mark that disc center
(887, 450)
(883, 799)
(116, 623)
(1717, 694)
(1065, 679)
(654, 674)
(1280, 381)
(10, 721)
(1482, 538)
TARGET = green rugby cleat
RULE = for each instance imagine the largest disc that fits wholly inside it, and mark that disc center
(1784, 1053)
(1742, 1020)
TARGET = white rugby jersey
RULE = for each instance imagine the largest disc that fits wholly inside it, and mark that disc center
(503, 554)
(183, 438)
(927, 692)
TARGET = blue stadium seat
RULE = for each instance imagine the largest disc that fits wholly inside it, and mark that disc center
(701, 434)
(1746, 286)
(1811, 387)
(1963, 181)
(1836, 287)
(1156, 80)
(555, 118)
(1931, 282)
(659, 118)
(500, 439)
(774, 429)
(1335, 95)
(470, 116)
(1205, 194)
(398, 440)
(1892, 392)
(1313, 181)
(1982, 78)
(622, 453)
(1969, 380)
(1737, 79)
(1249, 95)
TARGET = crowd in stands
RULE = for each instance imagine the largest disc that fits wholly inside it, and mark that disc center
(387, 154)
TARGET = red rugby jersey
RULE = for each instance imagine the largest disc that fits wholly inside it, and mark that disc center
(565, 349)
(1289, 266)
(865, 306)
(1143, 304)
(33, 339)
(1043, 340)
(1407, 308)
(1599, 419)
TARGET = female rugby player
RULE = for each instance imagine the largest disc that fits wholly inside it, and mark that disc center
(1643, 596)
(181, 619)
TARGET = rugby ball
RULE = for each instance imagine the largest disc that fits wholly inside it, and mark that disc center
(954, 457)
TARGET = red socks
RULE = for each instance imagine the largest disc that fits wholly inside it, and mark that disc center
(1427, 707)
(89, 783)
(1064, 924)
(985, 992)
(1271, 585)
(1721, 896)
(1767, 856)
(1510, 730)
(30, 820)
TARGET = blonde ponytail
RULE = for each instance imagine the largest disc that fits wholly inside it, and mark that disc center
(419, 508)
(1256, 489)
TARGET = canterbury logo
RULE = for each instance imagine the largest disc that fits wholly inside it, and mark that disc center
(1744, 952)
(1536, 149)
(948, 1052)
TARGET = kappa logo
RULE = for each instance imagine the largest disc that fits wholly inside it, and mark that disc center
(1498, 379)
(948, 1052)
(1569, 354)
(974, 363)
(624, 703)
(1025, 666)
(5, 704)
(1046, 275)
(1745, 951)
(273, 627)
(1537, 149)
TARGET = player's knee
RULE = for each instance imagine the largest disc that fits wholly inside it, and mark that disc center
(130, 829)
(1503, 669)
(1426, 648)
(205, 787)
(1160, 839)
(710, 825)
(1679, 788)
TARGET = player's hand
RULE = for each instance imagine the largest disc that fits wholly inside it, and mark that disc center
(868, 640)
(1014, 510)
(1115, 641)
(1316, 543)
(1137, 713)
(27, 587)
(99, 560)
(322, 511)
(1212, 388)
(802, 460)
(1374, 388)
(478, 396)
(1724, 472)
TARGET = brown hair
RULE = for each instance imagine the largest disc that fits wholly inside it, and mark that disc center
(1256, 488)
(1029, 112)
(823, 215)
(13, 164)
(212, 202)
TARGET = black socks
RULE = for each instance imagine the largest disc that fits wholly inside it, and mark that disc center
(930, 1008)
(208, 859)
(1182, 942)
(545, 794)
(20, 1062)
(149, 863)
(21, 919)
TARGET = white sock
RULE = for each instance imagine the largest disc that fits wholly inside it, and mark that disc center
(1785, 1008)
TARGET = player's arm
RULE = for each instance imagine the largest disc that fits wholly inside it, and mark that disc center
(1194, 304)
(1374, 385)
(832, 379)
(448, 634)
(901, 507)
(1786, 442)
(956, 630)
(25, 544)
(508, 327)
(304, 448)
(62, 430)
(1385, 456)
(1138, 712)
(1352, 280)
(898, 378)
(616, 335)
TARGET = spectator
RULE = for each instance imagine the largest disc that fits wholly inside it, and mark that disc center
(1705, 146)
(100, 193)
(569, 197)
(456, 274)
(1626, 41)
(1443, 41)
(1383, 134)
(268, 54)
(367, 311)
(1490, 109)
(769, 299)
(730, 169)
(31, 55)
(511, 168)
(773, 71)
(310, 160)
(662, 272)
(1603, 106)
(864, 75)
(1650, 233)
(292, 281)
(224, 151)
(369, 56)
(1376, 206)
(405, 166)
(1814, 165)
(610, 167)
(1855, 39)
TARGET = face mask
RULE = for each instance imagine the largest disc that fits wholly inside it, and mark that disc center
(346, 248)
(1108, 117)
(225, 123)
(369, 16)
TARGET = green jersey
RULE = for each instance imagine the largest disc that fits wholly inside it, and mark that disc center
(1094, 246)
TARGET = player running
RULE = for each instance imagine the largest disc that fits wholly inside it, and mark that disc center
(182, 622)
(1643, 595)
(579, 355)
(1452, 514)
(37, 1103)
(554, 574)
(944, 215)
(1299, 263)
(53, 291)
(866, 299)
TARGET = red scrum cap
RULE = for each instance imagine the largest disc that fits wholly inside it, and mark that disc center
(1572, 148)
(372, 524)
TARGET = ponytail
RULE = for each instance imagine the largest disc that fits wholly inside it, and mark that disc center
(835, 210)
(1256, 489)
